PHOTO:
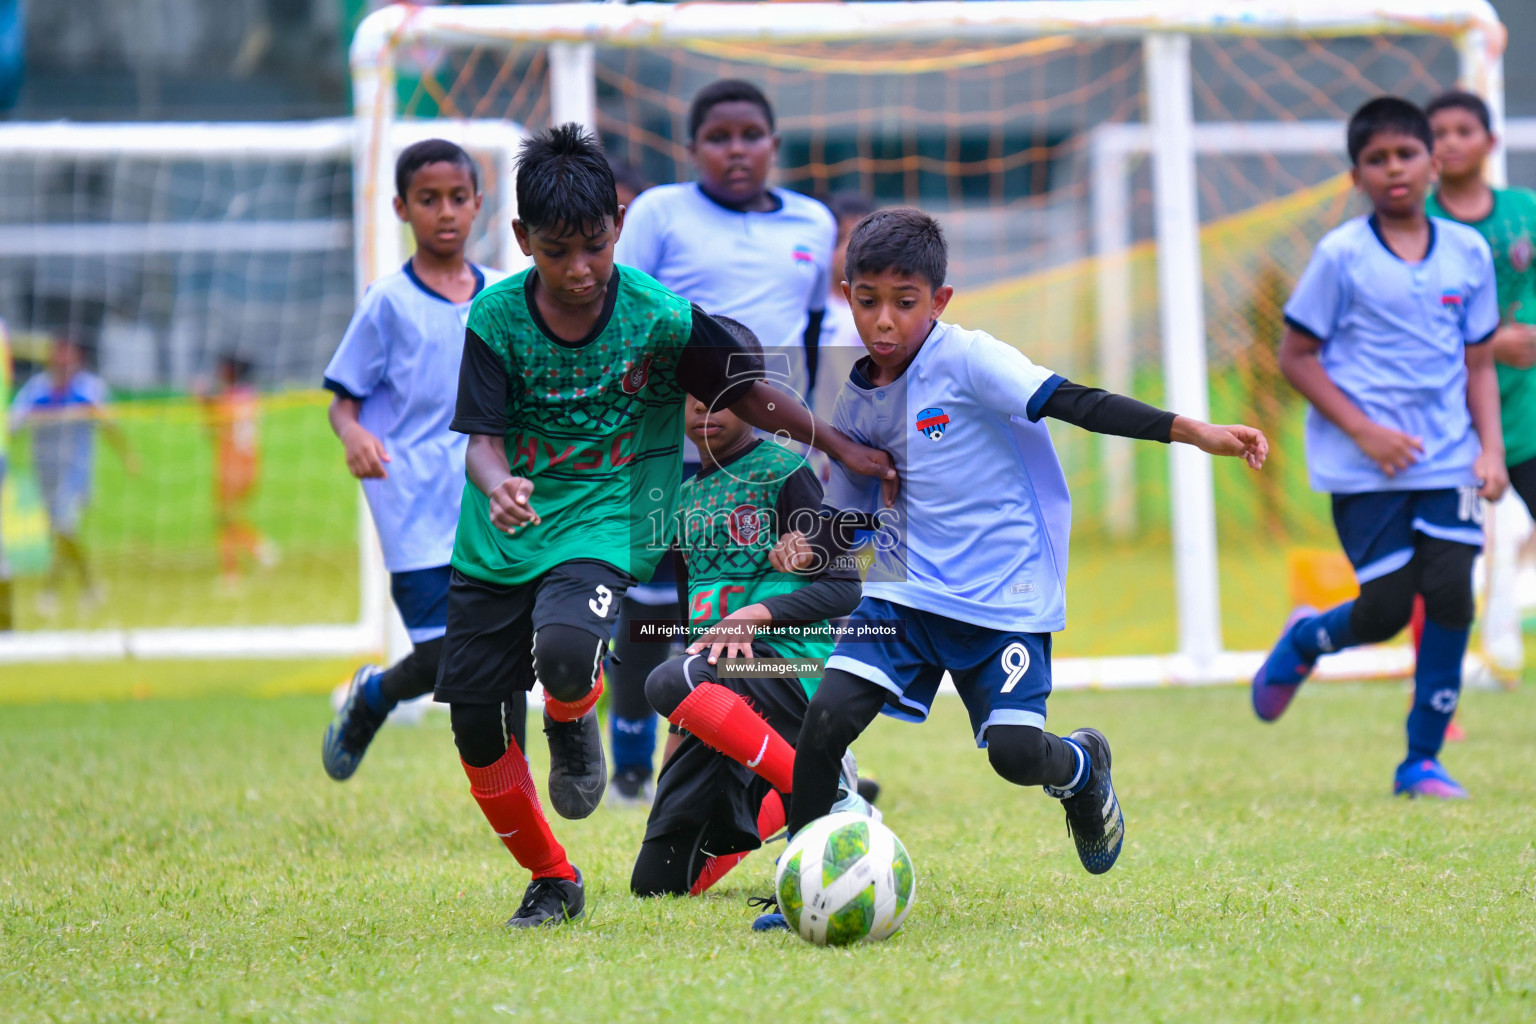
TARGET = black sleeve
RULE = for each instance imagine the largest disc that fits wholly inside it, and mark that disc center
(713, 366)
(799, 508)
(826, 598)
(1105, 413)
(812, 346)
(482, 404)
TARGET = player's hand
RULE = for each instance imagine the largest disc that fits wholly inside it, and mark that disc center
(733, 634)
(365, 454)
(1492, 474)
(793, 553)
(1392, 450)
(1239, 441)
(1514, 344)
(876, 463)
(510, 507)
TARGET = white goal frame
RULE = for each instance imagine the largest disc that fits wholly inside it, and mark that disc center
(377, 627)
(1164, 29)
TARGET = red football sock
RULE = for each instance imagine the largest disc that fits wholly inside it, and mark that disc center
(506, 796)
(770, 818)
(723, 721)
(569, 711)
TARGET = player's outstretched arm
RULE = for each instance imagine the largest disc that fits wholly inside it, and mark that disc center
(1392, 450)
(365, 453)
(767, 408)
(485, 463)
(1236, 440)
(1483, 404)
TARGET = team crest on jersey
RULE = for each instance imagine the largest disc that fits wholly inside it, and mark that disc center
(1520, 253)
(803, 254)
(636, 377)
(932, 422)
(746, 523)
(1450, 299)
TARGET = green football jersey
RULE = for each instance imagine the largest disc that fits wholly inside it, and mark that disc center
(596, 424)
(1510, 229)
(729, 521)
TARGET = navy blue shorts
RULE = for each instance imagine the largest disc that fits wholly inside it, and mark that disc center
(1003, 677)
(1377, 527)
(422, 597)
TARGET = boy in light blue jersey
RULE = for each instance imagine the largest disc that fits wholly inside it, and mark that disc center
(740, 249)
(1386, 337)
(395, 378)
(971, 561)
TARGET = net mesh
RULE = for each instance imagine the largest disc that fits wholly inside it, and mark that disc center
(208, 292)
(996, 141)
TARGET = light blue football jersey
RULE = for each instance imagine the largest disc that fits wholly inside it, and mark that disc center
(981, 528)
(400, 357)
(767, 270)
(1394, 340)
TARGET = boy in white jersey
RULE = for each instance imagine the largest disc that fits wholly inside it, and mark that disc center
(1386, 337)
(742, 249)
(395, 377)
(971, 561)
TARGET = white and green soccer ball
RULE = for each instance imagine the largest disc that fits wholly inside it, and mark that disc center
(845, 879)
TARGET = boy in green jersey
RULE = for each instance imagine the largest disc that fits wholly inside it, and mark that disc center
(1506, 217)
(572, 388)
(719, 795)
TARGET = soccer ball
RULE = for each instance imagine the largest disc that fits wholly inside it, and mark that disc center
(845, 878)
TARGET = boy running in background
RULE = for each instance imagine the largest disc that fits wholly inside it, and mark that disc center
(64, 406)
(572, 388)
(1387, 337)
(393, 378)
(738, 248)
(719, 796)
(234, 420)
(970, 568)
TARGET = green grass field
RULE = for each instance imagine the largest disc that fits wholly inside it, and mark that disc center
(185, 859)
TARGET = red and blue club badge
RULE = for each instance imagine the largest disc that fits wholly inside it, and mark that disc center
(932, 422)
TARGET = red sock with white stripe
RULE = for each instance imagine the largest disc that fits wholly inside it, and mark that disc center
(509, 801)
(724, 721)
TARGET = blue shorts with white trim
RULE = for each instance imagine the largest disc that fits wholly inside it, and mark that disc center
(1003, 677)
(422, 597)
(1377, 527)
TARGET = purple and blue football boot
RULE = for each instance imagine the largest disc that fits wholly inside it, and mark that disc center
(1426, 778)
(1283, 672)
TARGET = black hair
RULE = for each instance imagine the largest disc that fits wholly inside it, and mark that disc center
(726, 90)
(1387, 114)
(741, 332)
(902, 239)
(564, 182)
(851, 204)
(431, 151)
(1458, 99)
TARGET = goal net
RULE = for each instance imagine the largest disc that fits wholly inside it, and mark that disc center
(1129, 188)
(206, 272)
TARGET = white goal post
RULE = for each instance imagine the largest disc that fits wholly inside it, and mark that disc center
(377, 627)
(1164, 31)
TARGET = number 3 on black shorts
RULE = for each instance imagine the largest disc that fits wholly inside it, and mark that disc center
(602, 602)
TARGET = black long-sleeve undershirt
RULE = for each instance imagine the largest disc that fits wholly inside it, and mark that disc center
(1105, 412)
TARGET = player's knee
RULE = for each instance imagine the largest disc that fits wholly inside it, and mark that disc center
(1018, 754)
(1384, 607)
(566, 660)
(478, 732)
(1446, 583)
(667, 687)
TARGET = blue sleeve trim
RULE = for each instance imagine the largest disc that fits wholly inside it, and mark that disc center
(1042, 395)
(1297, 325)
(1485, 338)
(337, 388)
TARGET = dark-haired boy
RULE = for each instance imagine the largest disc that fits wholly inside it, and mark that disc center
(738, 248)
(1386, 337)
(393, 378)
(572, 387)
(969, 569)
(719, 795)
